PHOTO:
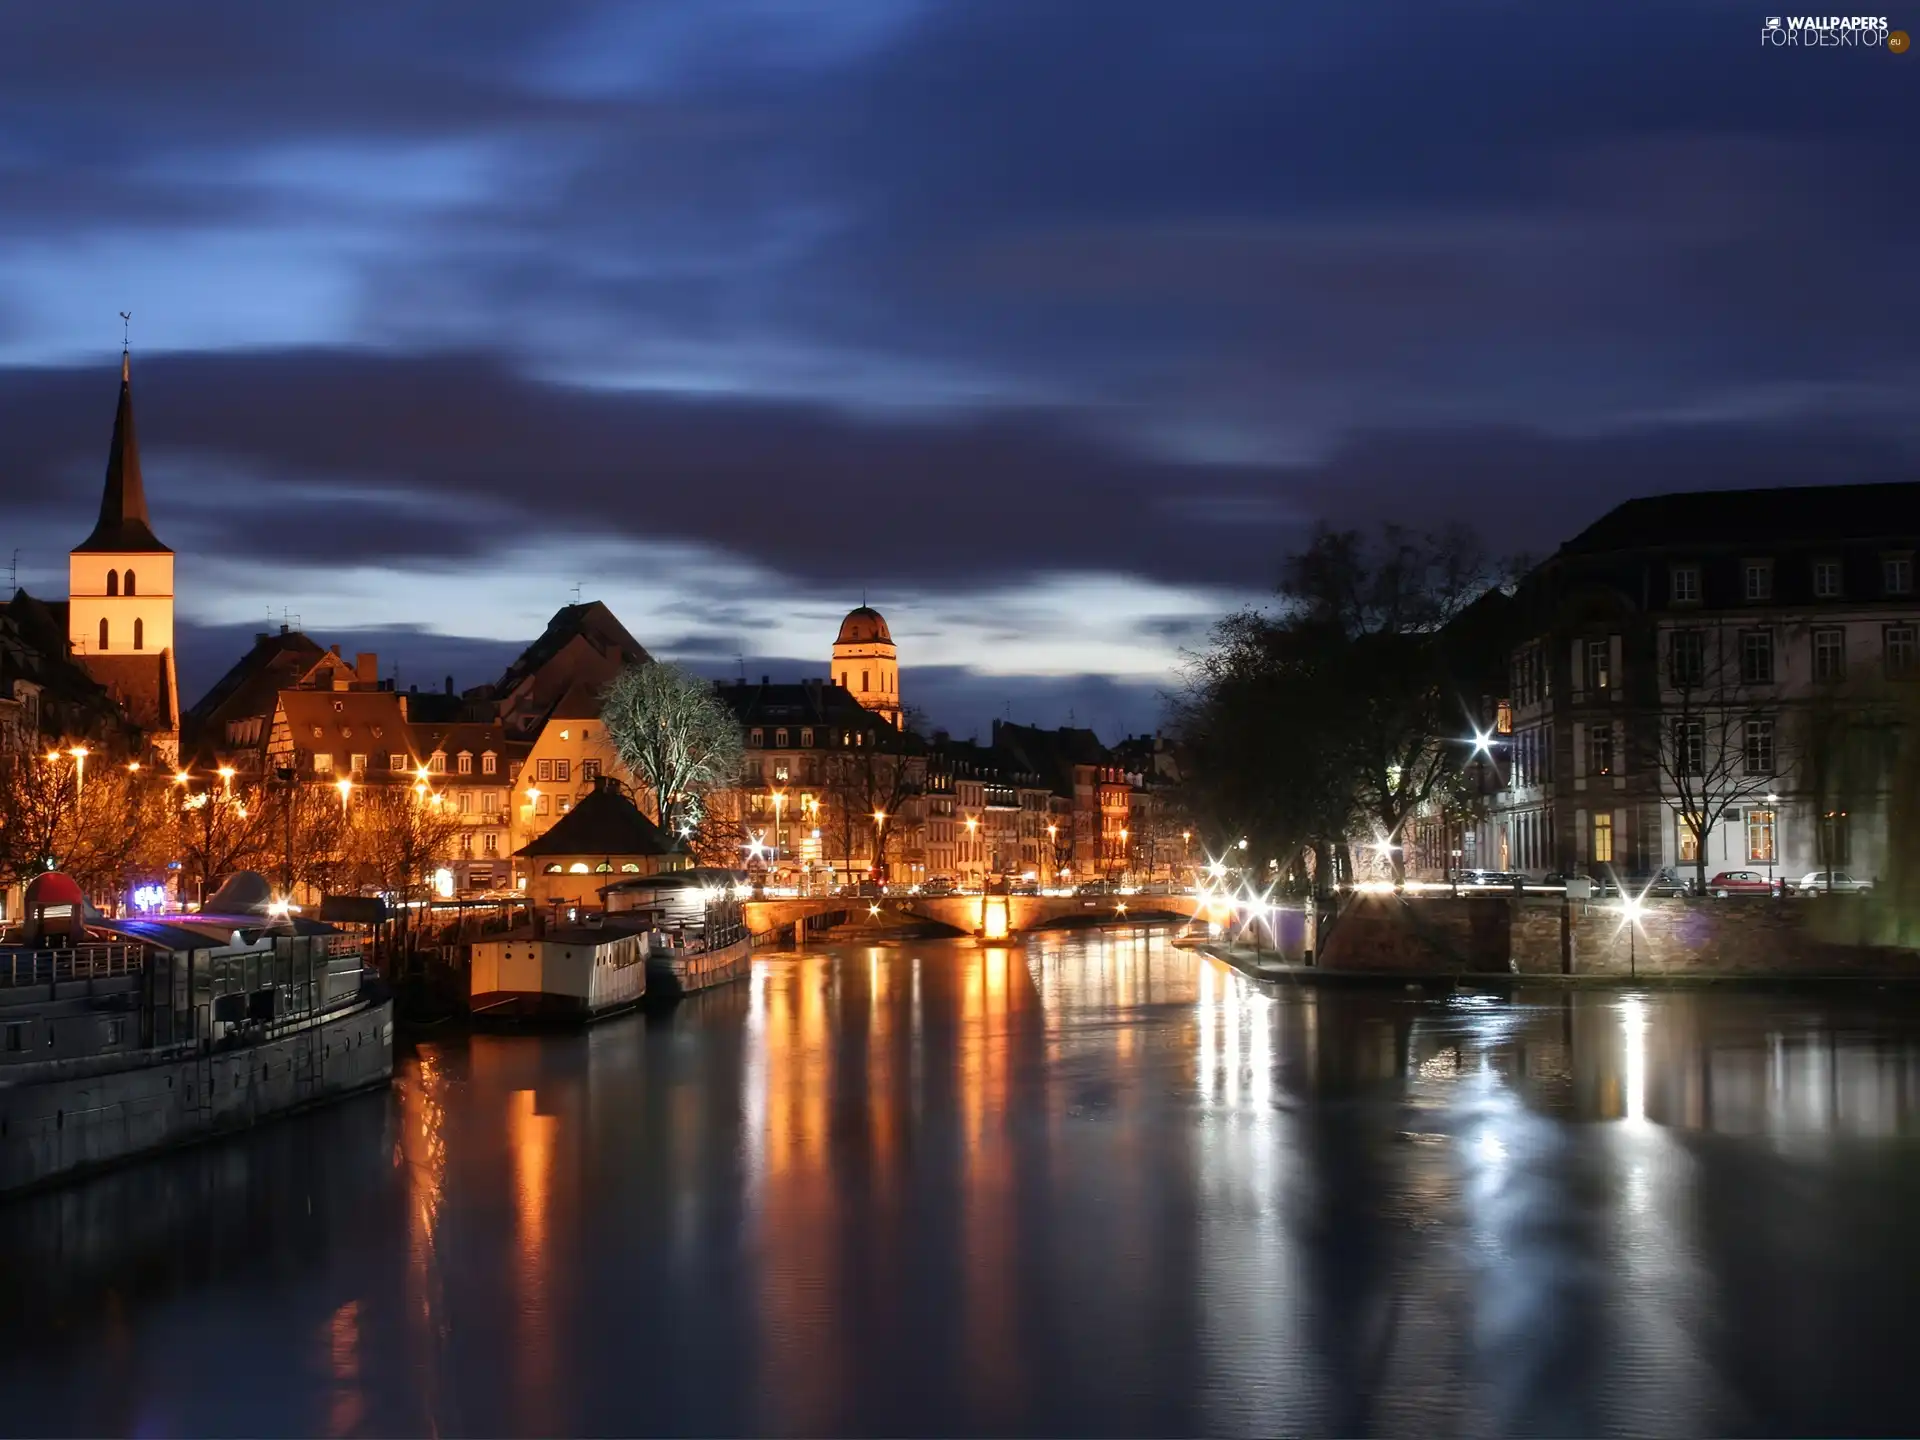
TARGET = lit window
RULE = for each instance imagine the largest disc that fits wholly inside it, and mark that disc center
(396, 762)
(543, 770)
(1760, 836)
(323, 763)
(359, 764)
(627, 867)
(1685, 581)
(579, 867)
(554, 869)
(1598, 675)
(1503, 718)
(563, 769)
(466, 762)
(1687, 830)
(1602, 839)
(1826, 579)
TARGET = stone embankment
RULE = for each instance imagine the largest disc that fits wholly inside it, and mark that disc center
(1841, 936)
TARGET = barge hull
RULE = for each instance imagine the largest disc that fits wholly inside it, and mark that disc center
(56, 1127)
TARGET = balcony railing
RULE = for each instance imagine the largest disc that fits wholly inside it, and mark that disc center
(84, 962)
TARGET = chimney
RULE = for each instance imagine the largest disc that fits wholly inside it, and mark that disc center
(403, 707)
(333, 649)
(366, 666)
(449, 684)
(283, 629)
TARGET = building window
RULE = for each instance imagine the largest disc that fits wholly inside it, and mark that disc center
(1756, 657)
(466, 840)
(490, 844)
(490, 802)
(128, 588)
(757, 738)
(1896, 574)
(1687, 832)
(555, 868)
(396, 762)
(437, 762)
(806, 736)
(543, 770)
(542, 806)
(139, 633)
(1836, 839)
(780, 739)
(1597, 673)
(323, 763)
(589, 769)
(563, 770)
(1600, 750)
(1759, 575)
(1687, 659)
(465, 802)
(466, 762)
(357, 764)
(1759, 736)
(1900, 648)
(1685, 581)
(1689, 747)
(1830, 654)
(1826, 579)
(1760, 837)
(1503, 718)
(113, 582)
(863, 682)
(1603, 839)
(489, 763)
(103, 634)
(16, 1038)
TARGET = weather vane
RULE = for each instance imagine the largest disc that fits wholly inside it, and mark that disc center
(126, 324)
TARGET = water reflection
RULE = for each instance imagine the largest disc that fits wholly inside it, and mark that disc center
(1085, 1184)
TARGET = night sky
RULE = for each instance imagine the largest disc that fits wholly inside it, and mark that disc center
(1050, 326)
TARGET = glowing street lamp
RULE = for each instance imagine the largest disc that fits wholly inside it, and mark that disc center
(79, 754)
(345, 787)
(226, 777)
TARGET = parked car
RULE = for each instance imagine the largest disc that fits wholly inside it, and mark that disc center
(1739, 882)
(937, 885)
(1838, 882)
(1095, 887)
(1024, 887)
(1504, 878)
(1664, 883)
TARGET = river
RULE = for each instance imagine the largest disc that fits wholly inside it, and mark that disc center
(1087, 1186)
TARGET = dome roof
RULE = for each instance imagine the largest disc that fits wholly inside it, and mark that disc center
(52, 888)
(864, 626)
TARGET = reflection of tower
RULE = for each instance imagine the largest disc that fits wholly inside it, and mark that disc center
(120, 592)
(866, 663)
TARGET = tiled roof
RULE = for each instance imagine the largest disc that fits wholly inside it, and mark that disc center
(605, 822)
(1797, 515)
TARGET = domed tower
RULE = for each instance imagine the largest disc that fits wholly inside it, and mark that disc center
(866, 663)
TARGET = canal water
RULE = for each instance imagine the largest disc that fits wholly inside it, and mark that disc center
(1087, 1186)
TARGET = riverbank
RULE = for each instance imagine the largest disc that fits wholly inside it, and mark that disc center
(1266, 966)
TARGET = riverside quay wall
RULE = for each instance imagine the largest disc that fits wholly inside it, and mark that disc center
(1758, 937)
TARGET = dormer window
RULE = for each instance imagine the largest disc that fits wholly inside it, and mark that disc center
(756, 738)
(489, 763)
(1826, 579)
(780, 739)
(466, 762)
(437, 762)
(1684, 582)
(1759, 579)
(806, 736)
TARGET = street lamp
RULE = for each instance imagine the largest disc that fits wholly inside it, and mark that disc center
(79, 754)
(226, 778)
(345, 787)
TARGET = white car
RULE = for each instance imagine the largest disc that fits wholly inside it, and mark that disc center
(1815, 882)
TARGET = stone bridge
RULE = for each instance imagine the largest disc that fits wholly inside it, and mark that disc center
(991, 916)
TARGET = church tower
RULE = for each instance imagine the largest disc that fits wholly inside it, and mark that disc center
(120, 593)
(866, 664)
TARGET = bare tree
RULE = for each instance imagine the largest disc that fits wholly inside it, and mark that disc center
(863, 782)
(1716, 740)
(675, 735)
(218, 828)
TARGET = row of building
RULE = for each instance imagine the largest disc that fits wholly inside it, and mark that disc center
(1738, 663)
(838, 786)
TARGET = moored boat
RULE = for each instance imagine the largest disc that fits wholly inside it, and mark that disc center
(576, 972)
(120, 1038)
(698, 935)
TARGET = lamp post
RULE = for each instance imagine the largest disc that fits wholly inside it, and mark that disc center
(879, 838)
(79, 754)
(779, 801)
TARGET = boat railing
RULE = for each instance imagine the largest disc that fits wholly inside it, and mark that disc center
(82, 962)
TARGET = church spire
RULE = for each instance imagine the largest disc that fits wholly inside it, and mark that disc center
(124, 526)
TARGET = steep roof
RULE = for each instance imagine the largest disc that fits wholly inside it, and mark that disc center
(33, 647)
(275, 663)
(604, 822)
(124, 525)
(1052, 754)
(1795, 515)
(592, 622)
